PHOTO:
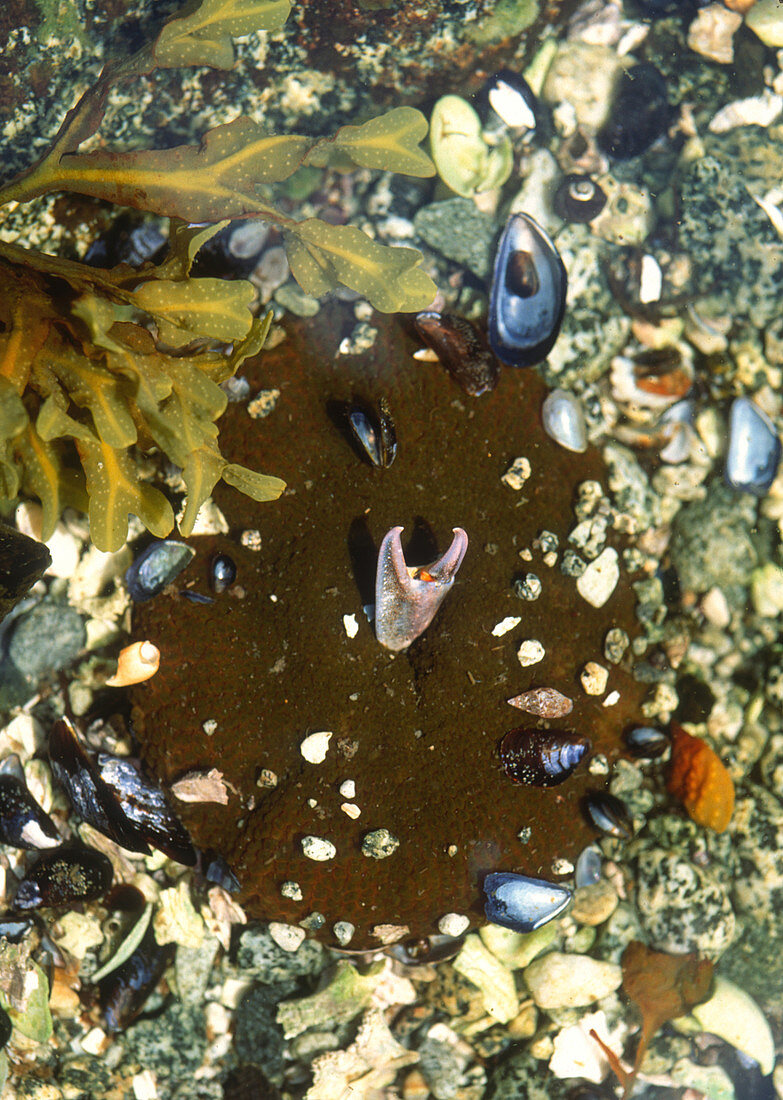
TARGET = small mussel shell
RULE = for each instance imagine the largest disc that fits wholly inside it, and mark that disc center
(67, 875)
(375, 433)
(564, 421)
(754, 449)
(122, 993)
(523, 904)
(23, 824)
(646, 742)
(578, 198)
(222, 572)
(429, 949)
(507, 100)
(144, 805)
(528, 296)
(541, 758)
(609, 814)
(461, 349)
(155, 567)
(91, 798)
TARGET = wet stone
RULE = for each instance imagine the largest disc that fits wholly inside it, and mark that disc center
(46, 639)
(171, 1045)
(683, 907)
(714, 541)
(459, 231)
(258, 1037)
(259, 956)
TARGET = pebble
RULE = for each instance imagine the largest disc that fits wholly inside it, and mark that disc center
(759, 110)
(318, 849)
(600, 578)
(505, 625)
(594, 904)
(558, 980)
(683, 907)
(594, 678)
(496, 983)
(46, 639)
(379, 844)
(734, 1016)
(765, 19)
(453, 924)
(711, 33)
(517, 473)
(530, 652)
(350, 625)
(315, 747)
(287, 936)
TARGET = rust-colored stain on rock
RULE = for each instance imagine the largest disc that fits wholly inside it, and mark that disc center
(270, 662)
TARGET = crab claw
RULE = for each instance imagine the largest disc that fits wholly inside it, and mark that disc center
(406, 600)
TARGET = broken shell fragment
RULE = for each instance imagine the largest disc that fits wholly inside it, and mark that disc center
(545, 702)
(528, 295)
(137, 662)
(523, 904)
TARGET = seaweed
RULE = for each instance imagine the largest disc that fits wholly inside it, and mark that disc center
(97, 366)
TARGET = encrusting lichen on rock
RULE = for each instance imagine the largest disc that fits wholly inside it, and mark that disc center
(95, 363)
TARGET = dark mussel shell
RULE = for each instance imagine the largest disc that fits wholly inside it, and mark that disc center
(92, 800)
(6, 1027)
(578, 199)
(374, 432)
(523, 904)
(145, 806)
(155, 567)
(428, 949)
(641, 113)
(23, 561)
(23, 823)
(129, 244)
(215, 869)
(222, 572)
(506, 101)
(14, 929)
(646, 742)
(70, 874)
(123, 992)
(461, 350)
(528, 296)
(541, 758)
(609, 814)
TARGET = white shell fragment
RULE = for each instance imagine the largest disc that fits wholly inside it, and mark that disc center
(453, 924)
(136, 663)
(594, 678)
(201, 787)
(599, 580)
(343, 932)
(545, 702)
(318, 849)
(530, 652)
(505, 625)
(733, 1015)
(288, 937)
(650, 280)
(350, 809)
(496, 983)
(564, 421)
(351, 626)
(315, 747)
(758, 110)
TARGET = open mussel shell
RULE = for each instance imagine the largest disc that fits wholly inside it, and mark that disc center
(528, 295)
(155, 567)
(521, 903)
(23, 824)
(145, 805)
(372, 432)
(461, 349)
(123, 992)
(67, 875)
(541, 758)
(113, 796)
(90, 797)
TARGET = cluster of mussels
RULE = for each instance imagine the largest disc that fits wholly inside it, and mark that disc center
(111, 794)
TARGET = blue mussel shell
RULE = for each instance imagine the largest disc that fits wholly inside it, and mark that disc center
(528, 295)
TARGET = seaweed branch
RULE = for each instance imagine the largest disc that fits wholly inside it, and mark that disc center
(96, 363)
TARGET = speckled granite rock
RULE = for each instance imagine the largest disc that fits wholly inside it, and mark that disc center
(713, 541)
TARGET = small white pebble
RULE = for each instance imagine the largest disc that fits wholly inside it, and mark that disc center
(267, 778)
(530, 652)
(612, 698)
(315, 747)
(594, 678)
(651, 281)
(292, 891)
(351, 809)
(287, 936)
(505, 625)
(600, 578)
(453, 924)
(144, 1085)
(517, 473)
(562, 867)
(343, 932)
(93, 1041)
(318, 849)
(599, 765)
(209, 726)
(348, 788)
(351, 625)
(379, 844)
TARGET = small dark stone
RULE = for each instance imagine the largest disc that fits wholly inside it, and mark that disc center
(23, 561)
(46, 639)
(641, 113)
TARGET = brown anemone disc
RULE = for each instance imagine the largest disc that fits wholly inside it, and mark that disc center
(270, 662)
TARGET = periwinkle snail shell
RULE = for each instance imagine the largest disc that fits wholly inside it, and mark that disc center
(541, 758)
(528, 295)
